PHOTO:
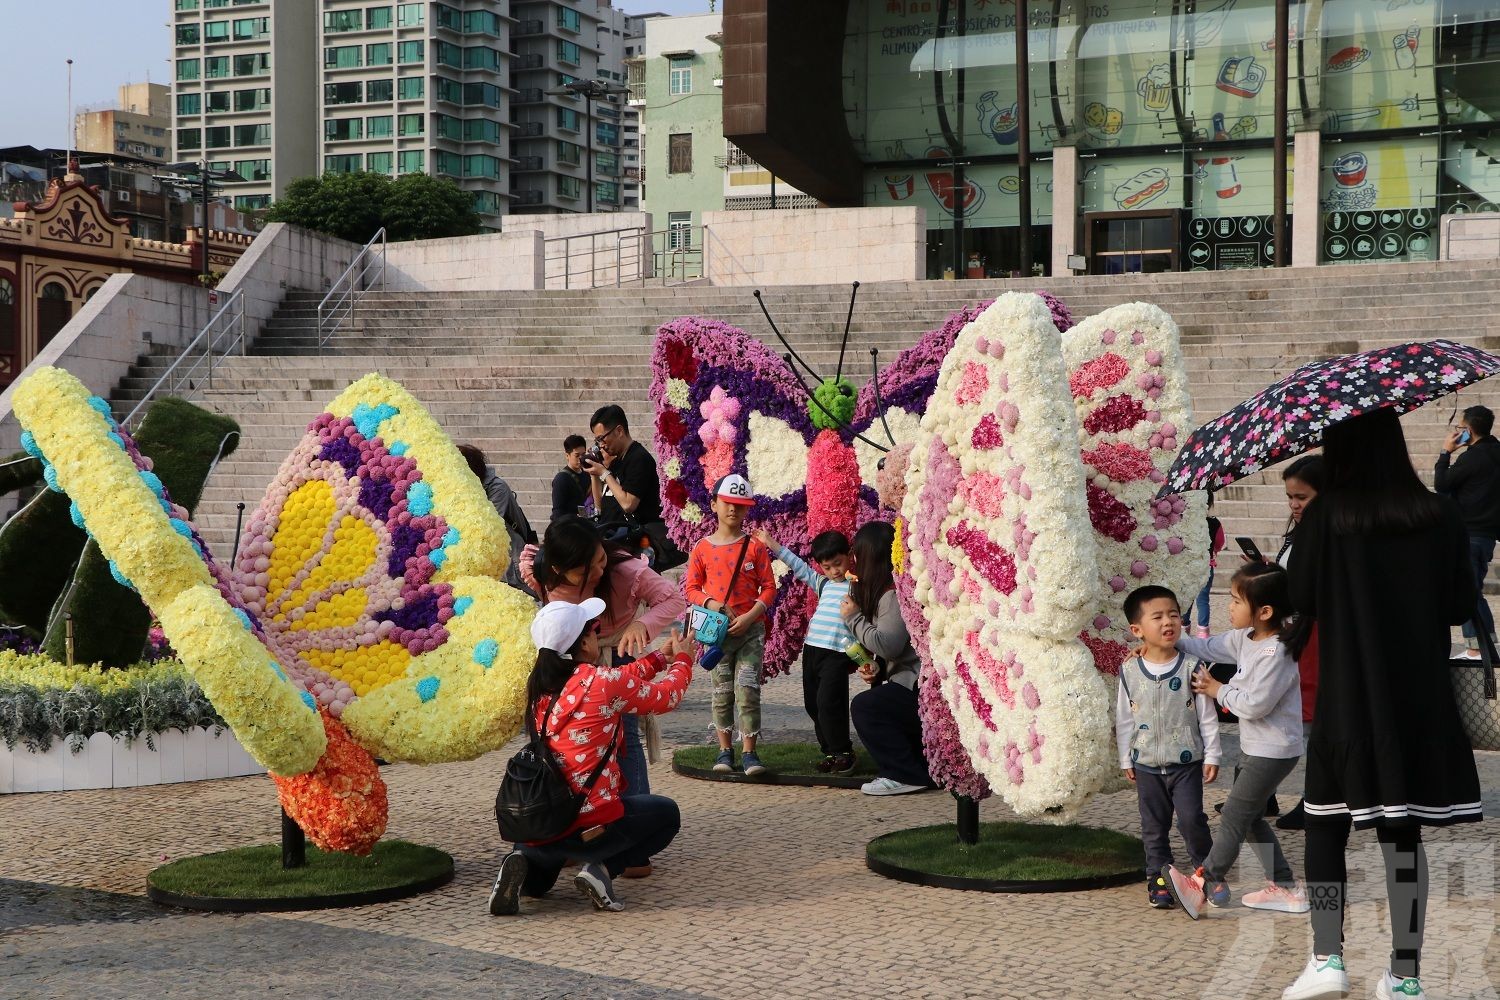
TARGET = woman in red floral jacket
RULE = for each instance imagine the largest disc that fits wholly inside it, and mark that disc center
(580, 704)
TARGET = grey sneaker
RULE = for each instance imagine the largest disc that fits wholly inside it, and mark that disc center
(751, 764)
(593, 881)
(724, 763)
(505, 894)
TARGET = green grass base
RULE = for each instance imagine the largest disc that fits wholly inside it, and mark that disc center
(790, 759)
(1009, 853)
(252, 878)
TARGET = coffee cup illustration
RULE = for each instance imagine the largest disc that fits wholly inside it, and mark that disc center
(1350, 169)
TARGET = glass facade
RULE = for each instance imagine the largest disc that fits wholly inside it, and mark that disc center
(1168, 110)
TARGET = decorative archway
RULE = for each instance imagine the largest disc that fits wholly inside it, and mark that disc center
(53, 310)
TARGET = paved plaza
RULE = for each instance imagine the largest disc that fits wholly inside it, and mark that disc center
(764, 894)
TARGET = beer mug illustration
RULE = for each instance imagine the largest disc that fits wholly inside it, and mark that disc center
(1155, 88)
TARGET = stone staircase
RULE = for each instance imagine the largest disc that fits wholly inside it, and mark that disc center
(514, 372)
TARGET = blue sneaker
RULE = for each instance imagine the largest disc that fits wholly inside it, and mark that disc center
(724, 763)
(1217, 892)
(751, 764)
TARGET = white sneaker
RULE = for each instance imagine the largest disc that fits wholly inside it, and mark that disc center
(1274, 897)
(1394, 988)
(890, 786)
(1321, 978)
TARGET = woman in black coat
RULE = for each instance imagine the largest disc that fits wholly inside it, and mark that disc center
(1381, 563)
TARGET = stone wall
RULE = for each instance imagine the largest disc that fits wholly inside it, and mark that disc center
(815, 246)
(591, 251)
(510, 260)
(1472, 236)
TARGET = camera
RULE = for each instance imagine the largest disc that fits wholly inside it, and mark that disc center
(596, 456)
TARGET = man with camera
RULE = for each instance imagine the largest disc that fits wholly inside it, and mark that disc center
(625, 478)
(1473, 481)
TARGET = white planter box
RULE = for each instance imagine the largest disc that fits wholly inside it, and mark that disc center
(106, 762)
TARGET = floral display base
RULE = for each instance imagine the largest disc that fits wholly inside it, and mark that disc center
(107, 762)
(252, 879)
(789, 764)
(1009, 857)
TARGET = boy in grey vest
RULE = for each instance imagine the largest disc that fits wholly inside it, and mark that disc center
(1168, 738)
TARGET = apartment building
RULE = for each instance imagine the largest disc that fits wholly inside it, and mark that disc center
(419, 87)
(139, 125)
(243, 73)
(622, 39)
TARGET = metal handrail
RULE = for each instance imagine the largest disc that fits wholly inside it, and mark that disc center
(345, 291)
(621, 233)
(205, 345)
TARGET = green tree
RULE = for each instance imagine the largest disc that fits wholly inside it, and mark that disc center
(354, 206)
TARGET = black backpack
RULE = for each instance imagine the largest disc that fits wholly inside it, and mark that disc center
(535, 803)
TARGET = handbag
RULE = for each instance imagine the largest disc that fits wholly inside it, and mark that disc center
(535, 803)
(710, 627)
(1474, 691)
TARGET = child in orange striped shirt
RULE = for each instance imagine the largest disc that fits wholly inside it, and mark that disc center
(711, 582)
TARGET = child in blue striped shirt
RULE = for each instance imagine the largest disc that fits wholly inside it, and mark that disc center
(825, 666)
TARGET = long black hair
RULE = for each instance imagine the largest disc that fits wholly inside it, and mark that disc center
(1307, 469)
(570, 542)
(550, 673)
(1371, 487)
(871, 550)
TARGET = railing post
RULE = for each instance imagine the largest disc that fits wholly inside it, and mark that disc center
(244, 346)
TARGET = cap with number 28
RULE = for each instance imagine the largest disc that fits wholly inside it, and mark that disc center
(734, 489)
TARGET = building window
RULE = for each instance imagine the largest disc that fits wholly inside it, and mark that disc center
(411, 124)
(216, 137)
(252, 135)
(407, 15)
(607, 133)
(378, 90)
(568, 19)
(341, 57)
(569, 52)
(187, 4)
(335, 21)
(218, 102)
(342, 93)
(569, 152)
(567, 119)
(487, 202)
(411, 88)
(481, 130)
(216, 67)
(253, 170)
(679, 230)
(247, 29)
(409, 52)
(187, 69)
(607, 192)
(409, 161)
(482, 57)
(189, 104)
(339, 129)
(378, 54)
(189, 138)
(481, 22)
(481, 165)
(448, 54)
(607, 163)
(378, 126)
(448, 127)
(377, 17)
(187, 34)
(449, 90)
(569, 187)
(447, 163)
(255, 64)
(447, 17)
(251, 202)
(346, 163)
(680, 75)
(216, 31)
(379, 163)
(481, 94)
(680, 153)
(252, 100)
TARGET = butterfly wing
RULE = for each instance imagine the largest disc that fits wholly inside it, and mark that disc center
(1129, 385)
(1003, 562)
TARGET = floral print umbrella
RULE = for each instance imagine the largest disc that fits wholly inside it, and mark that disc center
(1289, 417)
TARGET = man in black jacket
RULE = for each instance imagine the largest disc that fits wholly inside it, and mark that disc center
(1474, 483)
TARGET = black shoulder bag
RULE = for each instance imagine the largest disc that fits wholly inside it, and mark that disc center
(535, 802)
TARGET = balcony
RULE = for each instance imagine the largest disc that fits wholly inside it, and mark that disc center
(528, 27)
(528, 197)
(531, 129)
(524, 163)
(529, 61)
(528, 95)
(734, 156)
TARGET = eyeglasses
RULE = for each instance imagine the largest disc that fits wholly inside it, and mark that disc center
(601, 438)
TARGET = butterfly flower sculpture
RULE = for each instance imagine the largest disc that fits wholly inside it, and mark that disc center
(362, 615)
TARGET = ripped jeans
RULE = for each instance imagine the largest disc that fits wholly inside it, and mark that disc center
(737, 682)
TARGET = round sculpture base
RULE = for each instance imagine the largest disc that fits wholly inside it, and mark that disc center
(1009, 857)
(789, 764)
(251, 879)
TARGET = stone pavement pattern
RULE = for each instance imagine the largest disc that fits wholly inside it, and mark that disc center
(764, 893)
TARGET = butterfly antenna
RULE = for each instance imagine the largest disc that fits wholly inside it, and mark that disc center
(784, 343)
(812, 398)
(875, 383)
(847, 320)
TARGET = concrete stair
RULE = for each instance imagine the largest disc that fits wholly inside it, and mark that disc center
(514, 372)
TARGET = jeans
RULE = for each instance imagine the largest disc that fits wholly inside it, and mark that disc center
(1244, 820)
(632, 753)
(648, 826)
(1481, 551)
(825, 696)
(737, 682)
(886, 718)
(1178, 788)
(1405, 888)
(1200, 606)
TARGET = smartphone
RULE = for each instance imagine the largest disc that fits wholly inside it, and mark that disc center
(1248, 546)
(1463, 436)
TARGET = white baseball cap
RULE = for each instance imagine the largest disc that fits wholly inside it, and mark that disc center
(734, 489)
(559, 624)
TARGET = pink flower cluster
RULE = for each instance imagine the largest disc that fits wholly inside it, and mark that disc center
(1119, 413)
(831, 490)
(1121, 462)
(1104, 372)
(1109, 516)
(994, 563)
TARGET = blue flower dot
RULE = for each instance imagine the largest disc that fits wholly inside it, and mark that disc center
(102, 406)
(49, 473)
(120, 578)
(485, 651)
(367, 418)
(450, 537)
(309, 701)
(28, 442)
(76, 515)
(427, 688)
(276, 669)
(181, 527)
(398, 448)
(460, 605)
(438, 557)
(152, 480)
(419, 499)
(119, 441)
(244, 617)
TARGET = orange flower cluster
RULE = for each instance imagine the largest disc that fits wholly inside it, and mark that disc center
(340, 804)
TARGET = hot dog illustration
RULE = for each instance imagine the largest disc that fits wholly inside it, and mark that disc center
(1142, 189)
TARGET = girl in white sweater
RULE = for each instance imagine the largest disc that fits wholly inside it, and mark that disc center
(1266, 695)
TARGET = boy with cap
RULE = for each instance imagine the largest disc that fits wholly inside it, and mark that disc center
(731, 572)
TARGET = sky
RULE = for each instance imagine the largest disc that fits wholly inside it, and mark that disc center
(113, 42)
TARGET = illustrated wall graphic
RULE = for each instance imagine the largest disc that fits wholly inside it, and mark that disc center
(1349, 121)
(1204, 26)
(1155, 88)
(1241, 76)
(1347, 58)
(955, 199)
(1406, 45)
(999, 123)
(1142, 189)
(1103, 123)
(1353, 188)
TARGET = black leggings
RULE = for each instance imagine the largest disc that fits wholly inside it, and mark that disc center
(1405, 887)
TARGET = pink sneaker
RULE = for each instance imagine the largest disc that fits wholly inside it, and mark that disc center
(1200, 632)
(1274, 897)
(1186, 889)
